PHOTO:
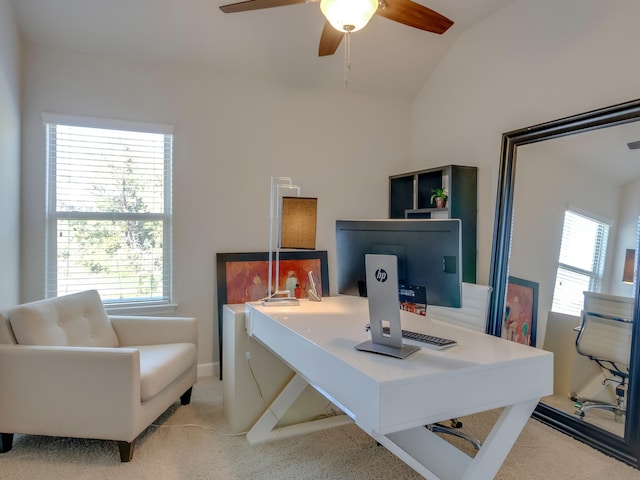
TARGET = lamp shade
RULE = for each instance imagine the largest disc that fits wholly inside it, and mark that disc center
(299, 222)
(629, 266)
(348, 15)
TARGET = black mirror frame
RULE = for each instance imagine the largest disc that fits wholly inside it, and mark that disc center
(626, 449)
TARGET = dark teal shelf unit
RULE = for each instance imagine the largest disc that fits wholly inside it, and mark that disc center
(410, 197)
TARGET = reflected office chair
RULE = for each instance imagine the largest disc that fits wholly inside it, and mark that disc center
(472, 315)
(606, 340)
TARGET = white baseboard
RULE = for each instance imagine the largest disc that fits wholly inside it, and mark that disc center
(208, 369)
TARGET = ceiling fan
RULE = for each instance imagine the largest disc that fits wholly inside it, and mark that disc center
(339, 23)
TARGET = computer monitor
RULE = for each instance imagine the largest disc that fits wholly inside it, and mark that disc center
(429, 256)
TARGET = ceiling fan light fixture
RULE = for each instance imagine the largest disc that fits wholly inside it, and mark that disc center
(348, 15)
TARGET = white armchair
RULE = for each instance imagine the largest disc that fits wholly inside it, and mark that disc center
(67, 369)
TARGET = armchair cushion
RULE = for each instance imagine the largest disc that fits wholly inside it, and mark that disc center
(161, 364)
(77, 320)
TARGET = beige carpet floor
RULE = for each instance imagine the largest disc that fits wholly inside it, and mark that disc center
(192, 444)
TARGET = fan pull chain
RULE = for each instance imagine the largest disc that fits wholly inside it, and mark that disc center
(347, 54)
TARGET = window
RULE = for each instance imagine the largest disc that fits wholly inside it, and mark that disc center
(581, 263)
(109, 214)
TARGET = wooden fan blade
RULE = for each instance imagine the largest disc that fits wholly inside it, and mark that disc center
(257, 5)
(414, 15)
(329, 40)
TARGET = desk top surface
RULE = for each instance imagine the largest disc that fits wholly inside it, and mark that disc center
(337, 324)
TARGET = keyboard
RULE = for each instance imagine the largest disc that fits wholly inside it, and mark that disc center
(426, 341)
(421, 339)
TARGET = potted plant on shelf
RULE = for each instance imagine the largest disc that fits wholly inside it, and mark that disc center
(440, 196)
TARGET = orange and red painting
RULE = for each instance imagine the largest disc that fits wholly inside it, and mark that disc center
(521, 311)
(248, 281)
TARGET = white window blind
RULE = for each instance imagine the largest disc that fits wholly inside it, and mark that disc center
(109, 213)
(581, 262)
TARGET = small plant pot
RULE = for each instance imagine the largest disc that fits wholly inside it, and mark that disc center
(441, 202)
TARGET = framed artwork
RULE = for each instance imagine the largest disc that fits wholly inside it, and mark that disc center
(521, 311)
(244, 277)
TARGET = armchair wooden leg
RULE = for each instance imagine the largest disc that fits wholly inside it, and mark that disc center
(185, 398)
(126, 450)
(6, 442)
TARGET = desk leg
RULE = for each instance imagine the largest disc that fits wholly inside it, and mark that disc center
(498, 444)
(436, 459)
(266, 427)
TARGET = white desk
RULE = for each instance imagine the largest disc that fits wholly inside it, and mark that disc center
(393, 399)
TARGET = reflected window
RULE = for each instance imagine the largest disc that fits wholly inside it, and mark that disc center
(581, 262)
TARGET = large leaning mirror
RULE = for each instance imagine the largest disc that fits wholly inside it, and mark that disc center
(564, 268)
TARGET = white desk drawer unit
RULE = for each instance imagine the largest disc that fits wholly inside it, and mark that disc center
(252, 377)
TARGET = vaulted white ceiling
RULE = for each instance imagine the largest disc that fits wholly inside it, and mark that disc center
(278, 44)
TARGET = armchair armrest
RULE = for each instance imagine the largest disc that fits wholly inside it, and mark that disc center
(71, 391)
(143, 330)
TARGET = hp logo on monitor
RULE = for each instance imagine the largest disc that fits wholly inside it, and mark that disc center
(381, 275)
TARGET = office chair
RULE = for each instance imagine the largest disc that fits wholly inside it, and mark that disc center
(606, 340)
(454, 429)
(472, 315)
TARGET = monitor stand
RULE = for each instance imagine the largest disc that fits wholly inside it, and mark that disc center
(384, 308)
(403, 352)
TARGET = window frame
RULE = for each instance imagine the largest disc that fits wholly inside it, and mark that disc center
(52, 215)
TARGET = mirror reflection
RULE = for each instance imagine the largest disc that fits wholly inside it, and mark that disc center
(574, 238)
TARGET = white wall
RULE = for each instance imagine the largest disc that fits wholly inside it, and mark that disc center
(546, 187)
(531, 62)
(231, 136)
(627, 236)
(9, 157)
